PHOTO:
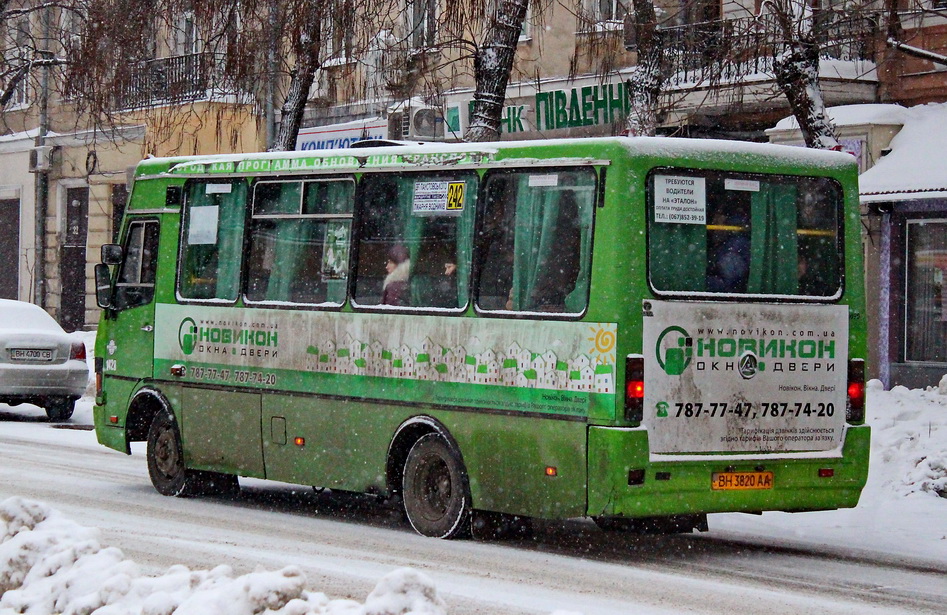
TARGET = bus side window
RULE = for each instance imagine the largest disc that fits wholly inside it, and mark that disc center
(415, 240)
(212, 240)
(535, 241)
(299, 242)
(135, 284)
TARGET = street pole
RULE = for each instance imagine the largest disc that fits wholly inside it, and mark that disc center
(41, 179)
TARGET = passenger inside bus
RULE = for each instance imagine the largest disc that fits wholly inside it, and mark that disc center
(730, 261)
(395, 288)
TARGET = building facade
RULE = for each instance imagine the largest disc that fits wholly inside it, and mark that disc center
(410, 79)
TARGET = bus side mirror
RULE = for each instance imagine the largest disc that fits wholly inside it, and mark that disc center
(103, 284)
(111, 254)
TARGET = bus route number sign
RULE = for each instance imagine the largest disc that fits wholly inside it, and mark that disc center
(438, 198)
(455, 196)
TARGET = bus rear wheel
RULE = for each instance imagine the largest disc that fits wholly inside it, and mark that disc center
(166, 466)
(435, 489)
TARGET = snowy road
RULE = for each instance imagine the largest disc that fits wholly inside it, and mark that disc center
(345, 544)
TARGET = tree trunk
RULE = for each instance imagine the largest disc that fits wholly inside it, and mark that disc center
(308, 47)
(797, 74)
(647, 82)
(295, 104)
(493, 62)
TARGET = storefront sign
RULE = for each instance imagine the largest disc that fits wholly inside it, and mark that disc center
(339, 136)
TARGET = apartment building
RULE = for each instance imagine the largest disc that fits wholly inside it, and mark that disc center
(410, 76)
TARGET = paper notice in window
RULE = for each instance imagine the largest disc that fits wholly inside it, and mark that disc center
(438, 198)
(680, 200)
(202, 227)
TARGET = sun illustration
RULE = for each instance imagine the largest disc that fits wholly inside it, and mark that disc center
(603, 342)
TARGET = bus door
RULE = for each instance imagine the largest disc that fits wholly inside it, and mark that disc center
(219, 415)
(129, 349)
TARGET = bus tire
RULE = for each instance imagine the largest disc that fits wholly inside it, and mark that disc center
(435, 489)
(166, 466)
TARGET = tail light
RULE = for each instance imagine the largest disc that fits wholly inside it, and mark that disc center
(855, 408)
(99, 365)
(77, 351)
(634, 389)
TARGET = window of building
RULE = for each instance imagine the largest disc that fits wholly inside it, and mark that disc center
(527, 31)
(21, 36)
(609, 10)
(135, 284)
(534, 242)
(742, 234)
(341, 29)
(925, 326)
(299, 242)
(415, 234)
(212, 240)
(422, 23)
(186, 36)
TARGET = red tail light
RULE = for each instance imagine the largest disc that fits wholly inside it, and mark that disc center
(99, 364)
(634, 389)
(855, 408)
(77, 351)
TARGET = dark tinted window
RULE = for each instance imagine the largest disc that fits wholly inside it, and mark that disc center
(741, 234)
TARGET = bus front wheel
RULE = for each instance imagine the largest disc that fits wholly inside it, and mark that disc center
(435, 489)
(166, 459)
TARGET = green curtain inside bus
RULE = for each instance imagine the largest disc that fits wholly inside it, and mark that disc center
(773, 241)
(552, 241)
(678, 256)
(213, 241)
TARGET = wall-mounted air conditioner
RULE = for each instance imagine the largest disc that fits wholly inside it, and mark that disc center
(416, 124)
(41, 158)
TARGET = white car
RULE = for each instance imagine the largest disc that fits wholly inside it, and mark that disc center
(39, 362)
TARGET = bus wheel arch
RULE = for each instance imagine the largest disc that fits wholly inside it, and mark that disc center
(436, 496)
(142, 409)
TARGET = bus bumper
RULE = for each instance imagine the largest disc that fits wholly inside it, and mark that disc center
(623, 482)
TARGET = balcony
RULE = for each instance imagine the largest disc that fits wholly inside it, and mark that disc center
(172, 80)
(740, 50)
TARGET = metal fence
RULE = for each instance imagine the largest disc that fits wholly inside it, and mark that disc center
(738, 49)
(172, 80)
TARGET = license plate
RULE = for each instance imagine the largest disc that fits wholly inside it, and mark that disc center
(31, 354)
(739, 481)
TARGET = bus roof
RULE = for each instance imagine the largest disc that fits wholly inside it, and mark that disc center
(544, 152)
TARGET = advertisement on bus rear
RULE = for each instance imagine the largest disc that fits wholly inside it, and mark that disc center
(734, 378)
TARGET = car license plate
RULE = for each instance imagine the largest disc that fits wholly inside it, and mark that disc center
(31, 354)
(739, 481)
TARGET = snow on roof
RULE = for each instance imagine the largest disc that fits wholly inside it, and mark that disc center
(854, 115)
(915, 167)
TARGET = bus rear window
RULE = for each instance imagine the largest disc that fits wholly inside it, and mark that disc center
(743, 234)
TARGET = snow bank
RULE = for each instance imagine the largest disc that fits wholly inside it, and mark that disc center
(909, 444)
(51, 565)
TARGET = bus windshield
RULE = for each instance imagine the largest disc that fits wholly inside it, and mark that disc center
(744, 234)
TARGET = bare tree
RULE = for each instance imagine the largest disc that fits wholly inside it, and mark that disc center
(492, 63)
(797, 71)
(306, 45)
(22, 49)
(647, 82)
(160, 58)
